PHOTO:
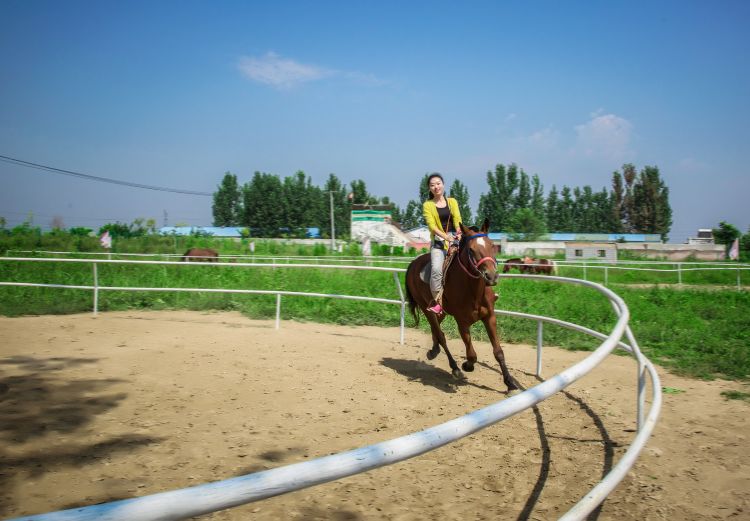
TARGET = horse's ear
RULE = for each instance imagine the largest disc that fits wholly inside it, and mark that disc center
(485, 226)
(464, 229)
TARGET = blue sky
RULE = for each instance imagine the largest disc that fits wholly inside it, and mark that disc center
(175, 94)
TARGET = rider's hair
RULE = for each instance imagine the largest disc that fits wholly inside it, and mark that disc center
(433, 175)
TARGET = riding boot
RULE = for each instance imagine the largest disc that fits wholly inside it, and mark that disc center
(435, 307)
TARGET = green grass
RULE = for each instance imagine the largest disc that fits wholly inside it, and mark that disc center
(736, 395)
(656, 273)
(697, 333)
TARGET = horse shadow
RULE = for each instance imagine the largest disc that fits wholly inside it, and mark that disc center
(606, 440)
(430, 375)
(38, 400)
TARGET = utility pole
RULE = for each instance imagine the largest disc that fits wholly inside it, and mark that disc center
(333, 228)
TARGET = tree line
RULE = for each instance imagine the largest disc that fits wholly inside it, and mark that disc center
(516, 203)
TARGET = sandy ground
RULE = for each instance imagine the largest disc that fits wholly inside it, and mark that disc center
(94, 409)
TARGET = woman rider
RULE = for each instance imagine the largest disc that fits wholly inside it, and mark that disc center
(443, 218)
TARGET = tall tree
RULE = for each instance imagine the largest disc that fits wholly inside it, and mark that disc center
(628, 202)
(262, 212)
(537, 196)
(587, 214)
(227, 202)
(618, 201)
(412, 215)
(523, 197)
(526, 224)
(652, 212)
(303, 204)
(498, 204)
(726, 233)
(342, 207)
(566, 211)
(552, 210)
(461, 194)
(361, 195)
(602, 214)
(424, 189)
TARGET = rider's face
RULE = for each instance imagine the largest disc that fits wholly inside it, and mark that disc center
(436, 186)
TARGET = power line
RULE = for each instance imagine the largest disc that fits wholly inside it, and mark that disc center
(52, 169)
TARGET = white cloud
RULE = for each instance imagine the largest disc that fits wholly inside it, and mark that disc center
(605, 135)
(279, 72)
(284, 73)
(546, 138)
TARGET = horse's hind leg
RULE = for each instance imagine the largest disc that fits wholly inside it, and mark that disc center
(438, 337)
(490, 324)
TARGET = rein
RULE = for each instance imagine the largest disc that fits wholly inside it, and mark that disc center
(475, 265)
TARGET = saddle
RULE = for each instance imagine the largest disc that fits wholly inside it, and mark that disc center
(425, 272)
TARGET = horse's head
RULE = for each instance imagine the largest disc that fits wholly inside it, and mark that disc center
(480, 252)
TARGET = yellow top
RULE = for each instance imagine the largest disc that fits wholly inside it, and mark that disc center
(432, 219)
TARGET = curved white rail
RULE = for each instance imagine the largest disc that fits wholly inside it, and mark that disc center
(210, 497)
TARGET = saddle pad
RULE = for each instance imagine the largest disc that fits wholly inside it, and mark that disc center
(425, 273)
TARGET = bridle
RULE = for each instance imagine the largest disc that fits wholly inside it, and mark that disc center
(474, 265)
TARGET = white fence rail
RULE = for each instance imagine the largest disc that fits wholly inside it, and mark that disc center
(211, 497)
(677, 267)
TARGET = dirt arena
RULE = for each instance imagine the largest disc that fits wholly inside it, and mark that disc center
(94, 409)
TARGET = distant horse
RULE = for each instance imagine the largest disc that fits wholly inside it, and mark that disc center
(542, 267)
(515, 263)
(467, 296)
(200, 255)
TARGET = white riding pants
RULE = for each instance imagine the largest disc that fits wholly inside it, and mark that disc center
(437, 257)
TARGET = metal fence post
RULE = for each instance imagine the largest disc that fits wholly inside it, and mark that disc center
(584, 271)
(278, 310)
(606, 275)
(96, 291)
(539, 335)
(679, 273)
(403, 304)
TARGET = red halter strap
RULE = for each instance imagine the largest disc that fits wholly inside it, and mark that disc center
(485, 259)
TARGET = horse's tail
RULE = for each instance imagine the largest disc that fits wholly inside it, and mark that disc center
(410, 297)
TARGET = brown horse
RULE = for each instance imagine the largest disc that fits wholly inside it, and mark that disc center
(467, 296)
(200, 255)
(542, 267)
(515, 263)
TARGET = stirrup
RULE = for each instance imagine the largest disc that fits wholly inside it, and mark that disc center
(437, 308)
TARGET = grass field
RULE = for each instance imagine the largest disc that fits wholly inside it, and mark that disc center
(695, 332)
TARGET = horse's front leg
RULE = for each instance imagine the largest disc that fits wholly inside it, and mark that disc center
(439, 338)
(490, 324)
(471, 355)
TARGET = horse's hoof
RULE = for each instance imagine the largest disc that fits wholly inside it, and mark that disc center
(458, 375)
(432, 353)
(466, 366)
